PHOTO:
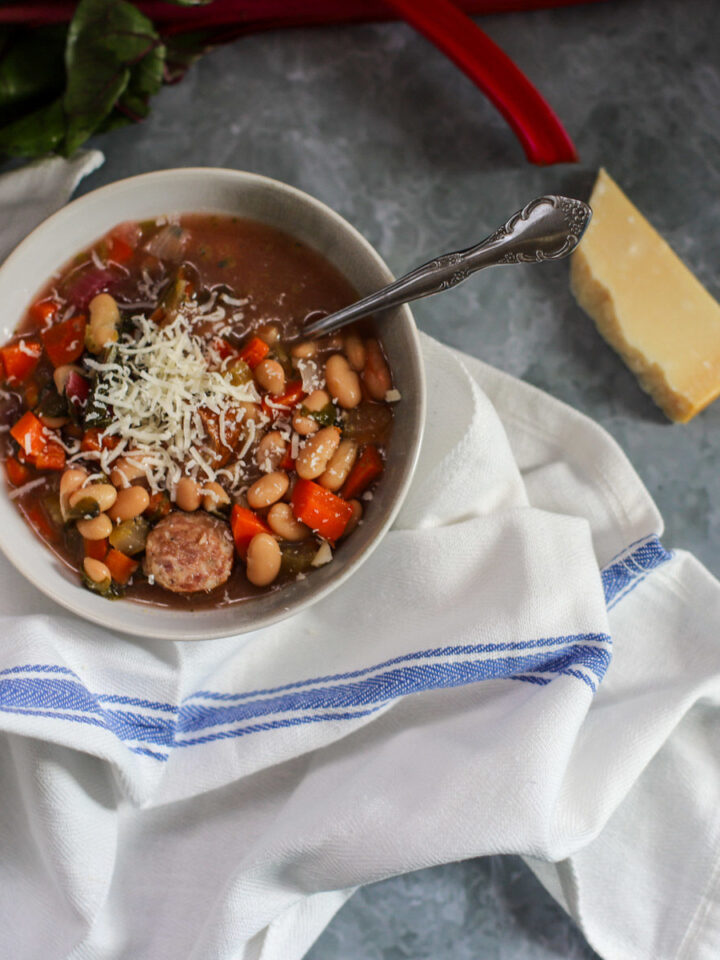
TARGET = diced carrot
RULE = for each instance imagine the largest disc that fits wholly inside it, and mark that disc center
(121, 566)
(129, 231)
(254, 351)
(158, 507)
(367, 469)
(118, 250)
(96, 549)
(224, 349)
(17, 473)
(20, 359)
(44, 311)
(322, 511)
(284, 402)
(51, 457)
(245, 525)
(64, 342)
(91, 441)
(287, 463)
(30, 434)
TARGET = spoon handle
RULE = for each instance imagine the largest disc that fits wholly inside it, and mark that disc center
(548, 228)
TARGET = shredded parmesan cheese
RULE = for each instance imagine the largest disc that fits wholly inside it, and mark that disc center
(157, 385)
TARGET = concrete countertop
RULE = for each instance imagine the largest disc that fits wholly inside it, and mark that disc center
(383, 128)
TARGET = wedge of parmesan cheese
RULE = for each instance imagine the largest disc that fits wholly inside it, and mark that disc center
(647, 304)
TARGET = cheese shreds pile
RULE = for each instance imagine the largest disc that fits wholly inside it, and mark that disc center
(157, 383)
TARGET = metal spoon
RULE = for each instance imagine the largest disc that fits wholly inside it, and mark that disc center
(548, 228)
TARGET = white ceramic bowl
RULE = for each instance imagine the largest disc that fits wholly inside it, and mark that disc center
(200, 190)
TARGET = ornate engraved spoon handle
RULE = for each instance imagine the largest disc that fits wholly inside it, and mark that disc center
(548, 228)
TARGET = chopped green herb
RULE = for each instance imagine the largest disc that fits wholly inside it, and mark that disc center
(326, 416)
(107, 588)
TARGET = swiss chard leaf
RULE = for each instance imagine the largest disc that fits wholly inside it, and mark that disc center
(31, 68)
(183, 49)
(146, 78)
(106, 44)
(35, 134)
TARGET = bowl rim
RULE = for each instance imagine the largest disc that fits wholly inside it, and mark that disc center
(111, 621)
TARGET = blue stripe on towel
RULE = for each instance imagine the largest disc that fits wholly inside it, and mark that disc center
(343, 696)
(632, 566)
(385, 685)
(435, 652)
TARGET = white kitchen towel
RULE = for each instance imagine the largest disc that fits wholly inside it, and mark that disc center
(520, 667)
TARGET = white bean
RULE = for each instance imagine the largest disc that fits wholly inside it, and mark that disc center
(130, 503)
(187, 494)
(271, 376)
(71, 480)
(270, 451)
(104, 321)
(124, 472)
(304, 350)
(104, 494)
(282, 522)
(96, 570)
(267, 490)
(263, 560)
(315, 401)
(342, 381)
(317, 451)
(303, 424)
(269, 332)
(214, 497)
(340, 465)
(355, 351)
(96, 529)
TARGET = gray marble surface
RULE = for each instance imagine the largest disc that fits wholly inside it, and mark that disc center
(384, 129)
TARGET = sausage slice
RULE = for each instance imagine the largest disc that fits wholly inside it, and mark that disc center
(189, 552)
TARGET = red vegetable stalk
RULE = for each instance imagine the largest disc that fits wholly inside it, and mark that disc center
(528, 113)
(250, 15)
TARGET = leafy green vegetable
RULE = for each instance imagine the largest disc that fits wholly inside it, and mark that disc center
(31, 69)
(37, 133)
(326, 416)
(51, 403)
(107, 588)
(182, 50)
(108, 43)
(85, 509)
(61, 84)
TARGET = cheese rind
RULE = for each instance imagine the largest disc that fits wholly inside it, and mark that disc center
(647, 304)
